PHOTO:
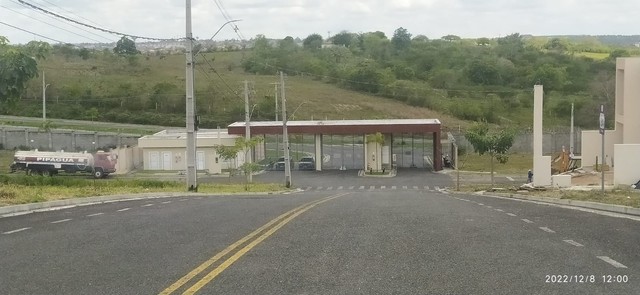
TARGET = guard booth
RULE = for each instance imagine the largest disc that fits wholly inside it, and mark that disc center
(352, 144)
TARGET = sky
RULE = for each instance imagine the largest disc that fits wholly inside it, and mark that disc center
(299, 18)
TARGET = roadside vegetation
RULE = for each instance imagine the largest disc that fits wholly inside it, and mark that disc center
(20, 189)
(348, 76)
(517, 164)
(618, 196)
(80, 126)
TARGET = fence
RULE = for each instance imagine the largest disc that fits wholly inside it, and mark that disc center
(60, 139)
(552, 142)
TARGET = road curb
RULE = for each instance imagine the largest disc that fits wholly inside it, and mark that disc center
(567, 202)
(21, 209)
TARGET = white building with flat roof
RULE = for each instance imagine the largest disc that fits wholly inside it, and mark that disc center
(165, 150)
(622, 144)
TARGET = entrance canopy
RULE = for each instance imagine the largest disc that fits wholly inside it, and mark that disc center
(350, 127)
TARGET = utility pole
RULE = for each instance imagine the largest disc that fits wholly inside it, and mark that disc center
(285, 136)
(276, 98)
(602, 126)
(571, 133)
(277, 139)
(247, 127)
(44, 99)
(190, 106)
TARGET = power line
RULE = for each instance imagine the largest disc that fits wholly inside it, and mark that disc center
(91, 26)
(72, 13)
(227, 17)
(219, 76)
(49, 24)
(212, 80)
(71, 25)
(6, 24)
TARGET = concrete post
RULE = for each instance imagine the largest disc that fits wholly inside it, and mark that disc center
(73, 141)
(437, 152)
(50, 141)
(541, 164)
(318, 146)
(3, 138)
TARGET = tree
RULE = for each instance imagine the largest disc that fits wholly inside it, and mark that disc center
(231, 152)
(420, 39)
(16, 68)
(125, 46)
(557, 44)
(378, 139)
(551, 77)
(483, 71)
(343, 38)
(228, 153)
(619, 53)
(451, 38)
(246, 145)
(483, 41)
(401, 39)
(37, 49)
(313, 41)
(494, 143)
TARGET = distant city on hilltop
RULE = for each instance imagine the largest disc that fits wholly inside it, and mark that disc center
(234, 44)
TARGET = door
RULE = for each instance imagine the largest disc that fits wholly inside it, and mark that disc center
(154, 161)
(166, 160)
(200, 160)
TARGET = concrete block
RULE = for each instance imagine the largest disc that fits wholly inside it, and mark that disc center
(542, 171)
(561, 180)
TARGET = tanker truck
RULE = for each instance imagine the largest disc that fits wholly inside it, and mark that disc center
(99, 164)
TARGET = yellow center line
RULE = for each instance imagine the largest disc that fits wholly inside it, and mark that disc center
(215, 272)
(183, 280)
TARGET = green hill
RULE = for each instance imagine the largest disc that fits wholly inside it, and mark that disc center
(349, 76)
(123, 90)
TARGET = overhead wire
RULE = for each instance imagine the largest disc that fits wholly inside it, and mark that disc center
(33, 33)
(70, 12)
(35, 7)
(219, 76)
(227, 17)
(49, 24)
(66, 23)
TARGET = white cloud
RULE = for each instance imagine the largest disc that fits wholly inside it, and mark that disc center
(299, 18)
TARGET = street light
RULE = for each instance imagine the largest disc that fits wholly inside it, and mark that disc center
(218, 31)
(292, 116)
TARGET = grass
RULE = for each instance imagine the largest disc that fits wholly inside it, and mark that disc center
(594, 55)
(306, 98)
(624, 197)
(517, 164)
(82, 126)
(20, 189)
(6, 158)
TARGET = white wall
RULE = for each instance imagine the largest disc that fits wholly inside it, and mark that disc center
(592, 146)
(626, 170)
(628, 97)
(129, 158)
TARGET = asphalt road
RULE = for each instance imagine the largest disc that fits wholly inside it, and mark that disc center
(359, 241)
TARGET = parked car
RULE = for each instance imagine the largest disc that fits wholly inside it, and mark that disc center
(279, 165)
(307, 163)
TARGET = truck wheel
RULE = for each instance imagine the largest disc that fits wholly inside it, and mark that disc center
(98, 173)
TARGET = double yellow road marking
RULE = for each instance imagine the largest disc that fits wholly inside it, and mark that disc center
(280, 221)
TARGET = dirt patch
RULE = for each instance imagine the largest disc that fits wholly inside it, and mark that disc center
(591, 178)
